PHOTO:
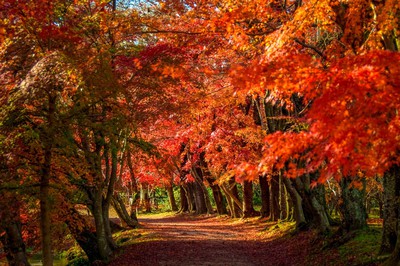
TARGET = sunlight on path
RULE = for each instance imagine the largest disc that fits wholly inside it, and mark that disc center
(205, 240)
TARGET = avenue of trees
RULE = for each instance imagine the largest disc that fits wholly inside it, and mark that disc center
(103, 101)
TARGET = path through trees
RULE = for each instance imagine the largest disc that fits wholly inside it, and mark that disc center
(211, 240)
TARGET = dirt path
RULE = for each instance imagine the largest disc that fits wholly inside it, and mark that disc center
(186, 240)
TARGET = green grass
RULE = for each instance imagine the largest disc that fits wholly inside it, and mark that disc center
(363, 249)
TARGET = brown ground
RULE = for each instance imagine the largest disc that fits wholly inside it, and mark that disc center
(210, 240)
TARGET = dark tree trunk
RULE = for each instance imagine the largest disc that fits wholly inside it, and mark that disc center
(171, 198)
(229, 200)
(198, 174)
(232, 196)
(219, 199)
(237, 205)
(13, 244)
(283, 200)
(314, 211)
(352, 208)
(301, 223)
(119, 207)
(265, 196)
(391, 194)
(133, 206)
(83, 234)
(189, 190)
(110, 182)
(145, 198)
(184, 200)
(45, 206)
(394, 259)
(199, 199)
(101, 234)
(248, 208)
(275, 211)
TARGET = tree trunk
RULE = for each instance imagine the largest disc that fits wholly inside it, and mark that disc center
(184, 200)
(13, 244)
(172, 201)
(120, 208)
(83, 233)
(229, 200)
(248, 208)
(199, 198)
(145, 198)
(301, 223)
(101, 234)
(352, 208)
(314, 211)
(219, 199)
(265, 196)
(394, 259)
(232, 197)
(275, 211)
(189, 192)
(283, 200)
(45, 208)
(391, 194)
(198, 175)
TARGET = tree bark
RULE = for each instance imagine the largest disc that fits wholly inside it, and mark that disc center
(184, 204)
(301, 223)
(199, 198)
(83, 233)
(265, 196)
(219, 199)
(120, 208)
(248, 208)
(232, 194)
(391, 213)
(171, 198)
(314, 211)
(145, 198)
(45, 206)
(352, 208)
(198, 175)
(275, 211)
(13, 244)
(101, 235)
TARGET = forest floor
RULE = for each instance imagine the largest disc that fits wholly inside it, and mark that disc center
(211, 240)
